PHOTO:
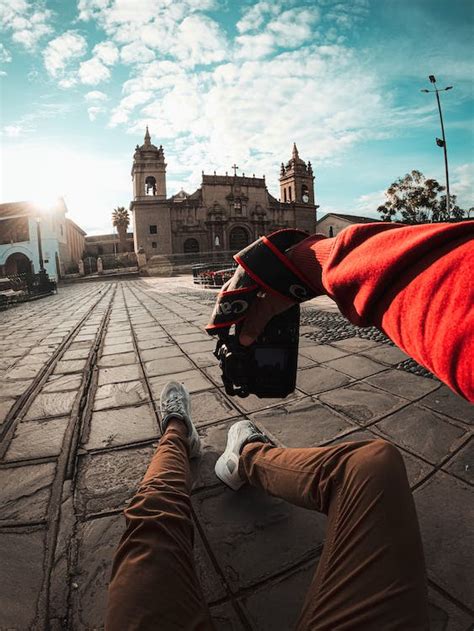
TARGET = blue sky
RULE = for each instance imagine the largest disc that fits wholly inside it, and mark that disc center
(221, 81)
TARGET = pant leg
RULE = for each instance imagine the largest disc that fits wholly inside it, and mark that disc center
(154, 583)
(371, 575)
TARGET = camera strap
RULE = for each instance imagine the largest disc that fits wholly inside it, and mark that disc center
(263, 266)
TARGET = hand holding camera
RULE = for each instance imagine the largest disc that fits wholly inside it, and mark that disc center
(260, 303)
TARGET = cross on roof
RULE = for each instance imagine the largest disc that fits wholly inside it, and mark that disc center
(235, 167)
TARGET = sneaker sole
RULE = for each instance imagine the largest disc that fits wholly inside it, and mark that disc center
(221, 471)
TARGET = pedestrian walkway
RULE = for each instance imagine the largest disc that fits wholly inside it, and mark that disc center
(80, 381)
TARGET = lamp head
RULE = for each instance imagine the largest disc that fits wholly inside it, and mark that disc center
(424, 90)
(450, 87)
(432, 78)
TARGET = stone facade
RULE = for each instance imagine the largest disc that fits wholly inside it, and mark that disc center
(225, 214)
(61, 239)
(331, 224)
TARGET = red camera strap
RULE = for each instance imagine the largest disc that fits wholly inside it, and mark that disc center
(263, 266)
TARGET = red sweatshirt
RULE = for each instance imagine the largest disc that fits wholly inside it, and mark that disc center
(415, 283)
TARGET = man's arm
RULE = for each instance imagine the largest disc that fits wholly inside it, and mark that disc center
(415, 283)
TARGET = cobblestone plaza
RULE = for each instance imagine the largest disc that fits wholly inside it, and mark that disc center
(80, 380)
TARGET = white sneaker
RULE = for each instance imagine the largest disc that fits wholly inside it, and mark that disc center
(227, 467)
(176, 403)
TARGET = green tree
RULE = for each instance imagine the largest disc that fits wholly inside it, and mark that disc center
(121, 221)
(417, 199)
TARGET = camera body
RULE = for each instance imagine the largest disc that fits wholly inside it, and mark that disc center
(266, 368)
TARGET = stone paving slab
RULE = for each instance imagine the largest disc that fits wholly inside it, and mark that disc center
(426, 433)
(445, 401)
(462, 464)
(362, 402)
(37, 439)
(356, 366)
(106, 481)
(448, 536)
(320, 378)
(121, 426)
(255, 537)
(195, 381)
(278, 604)
(51, 404)
(302, 423)
(21, 576)
(25, 492)
(403, 384)
(114, 395)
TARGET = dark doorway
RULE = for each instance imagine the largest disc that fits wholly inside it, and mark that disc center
(238, 239)
(191, 246)
(18, 263)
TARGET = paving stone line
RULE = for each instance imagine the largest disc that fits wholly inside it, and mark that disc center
(20, 408)
(60, 513)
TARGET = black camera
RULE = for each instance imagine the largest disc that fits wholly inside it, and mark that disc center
(266, 368)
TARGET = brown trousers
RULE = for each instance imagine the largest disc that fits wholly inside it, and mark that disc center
(371, 574)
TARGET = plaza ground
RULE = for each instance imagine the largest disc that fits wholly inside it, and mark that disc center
(80, 380)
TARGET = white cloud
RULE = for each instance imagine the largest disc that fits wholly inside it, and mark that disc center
(94, 111)
(62, 51)
(14, 131)
(136, 53)
(26, 20)
(96, 69)
(5, 56)
(199, 41)
(463, 185)
(278, 28)
(122, 112)
(106, 52)
(95, 95)
(93, 71)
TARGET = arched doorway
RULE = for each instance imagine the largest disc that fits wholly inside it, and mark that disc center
(191, 246)
(17, 263)
(238, 239)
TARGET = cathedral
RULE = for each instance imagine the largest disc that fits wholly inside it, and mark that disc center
(226, 213)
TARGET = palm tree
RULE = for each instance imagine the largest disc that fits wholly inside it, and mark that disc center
(121, 221)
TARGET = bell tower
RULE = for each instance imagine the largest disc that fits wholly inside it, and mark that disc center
(150, 208)
(297, 181)
(149, 171)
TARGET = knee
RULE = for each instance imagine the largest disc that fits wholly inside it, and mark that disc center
(379, 460)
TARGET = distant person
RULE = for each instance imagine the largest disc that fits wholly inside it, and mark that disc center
(416, 284)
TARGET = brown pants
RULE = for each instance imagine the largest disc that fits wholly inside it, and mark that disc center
(371, 575)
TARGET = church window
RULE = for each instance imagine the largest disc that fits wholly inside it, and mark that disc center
(154, 244)
(238, 205)
(284, 195)
(191, 246)
(150, 185)
(62, 231)
(238, 238)
(331, 231)
(289, 193)
(100, 249)
(153, 229)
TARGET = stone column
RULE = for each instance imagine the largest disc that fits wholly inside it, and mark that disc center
(141, 258)
(100, 267)
(81, 267)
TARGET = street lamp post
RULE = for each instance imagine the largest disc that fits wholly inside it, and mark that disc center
(441, 142)
(40, 248)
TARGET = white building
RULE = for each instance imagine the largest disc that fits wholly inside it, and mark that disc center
(332, 223)
(19, 251)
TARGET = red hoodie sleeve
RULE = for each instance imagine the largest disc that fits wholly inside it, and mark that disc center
(415, 283)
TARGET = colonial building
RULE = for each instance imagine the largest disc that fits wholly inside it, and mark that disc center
(99, 244)
(22, 224)
(332, 223)
(227, 212)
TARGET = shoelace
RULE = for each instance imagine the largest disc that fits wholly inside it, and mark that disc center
(174, 403)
